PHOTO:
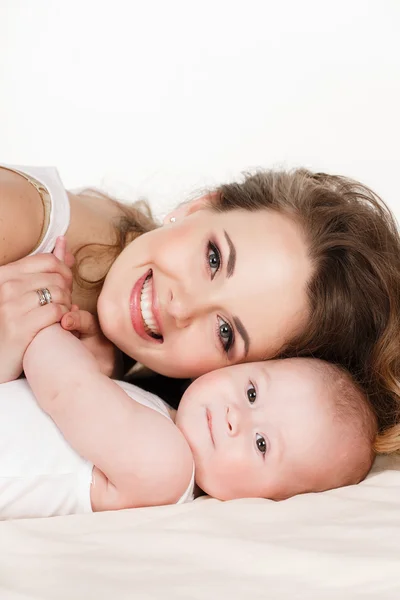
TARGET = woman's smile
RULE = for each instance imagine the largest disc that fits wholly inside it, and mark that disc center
(144, 309)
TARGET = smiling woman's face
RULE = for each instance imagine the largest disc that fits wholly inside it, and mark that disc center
(210, 290)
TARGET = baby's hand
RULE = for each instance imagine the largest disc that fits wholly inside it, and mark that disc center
(87, 328)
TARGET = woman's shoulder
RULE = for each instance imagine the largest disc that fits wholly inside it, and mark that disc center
(93, 218)
(22, 216)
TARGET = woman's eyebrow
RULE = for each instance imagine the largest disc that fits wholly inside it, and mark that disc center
(243, 334)
(232, 256)
(229, 272)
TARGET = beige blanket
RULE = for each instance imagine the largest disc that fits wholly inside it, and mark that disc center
(341, 544)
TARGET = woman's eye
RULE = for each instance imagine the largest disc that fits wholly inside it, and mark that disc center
(214, 259)
(251, 393)
(261, 443)
(225, 334)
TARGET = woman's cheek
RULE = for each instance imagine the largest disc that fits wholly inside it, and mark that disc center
(175, 253)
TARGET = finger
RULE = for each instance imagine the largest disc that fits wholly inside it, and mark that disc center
(41, 280)
(62, 253)
(60, 248)
(44, 316)
(31, 300)
(14, 313)
(82, 321)
(70, 319)
(11, 291)
(39, 263)
(69, 259)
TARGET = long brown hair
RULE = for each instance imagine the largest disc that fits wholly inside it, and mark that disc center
(135, 220)
(354, 293)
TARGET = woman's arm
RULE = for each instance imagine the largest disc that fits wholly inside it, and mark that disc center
(144, 456)
(21, 216)
(21, 316)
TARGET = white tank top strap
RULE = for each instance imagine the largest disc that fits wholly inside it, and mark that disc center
(55, 200)
(145, 398)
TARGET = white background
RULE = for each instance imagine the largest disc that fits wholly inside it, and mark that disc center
(160, 98)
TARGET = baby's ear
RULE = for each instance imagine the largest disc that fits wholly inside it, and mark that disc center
(188, 208)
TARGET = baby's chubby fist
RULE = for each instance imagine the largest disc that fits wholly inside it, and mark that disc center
(86, 327)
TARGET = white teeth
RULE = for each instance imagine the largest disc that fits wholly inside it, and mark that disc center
(146, 298)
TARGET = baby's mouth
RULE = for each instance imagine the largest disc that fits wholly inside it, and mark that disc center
(209, 423)
(146, 308)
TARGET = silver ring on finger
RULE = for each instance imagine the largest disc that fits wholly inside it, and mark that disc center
(44, 296)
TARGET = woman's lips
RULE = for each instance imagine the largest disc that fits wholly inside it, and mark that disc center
(209, 423)
(136, 313)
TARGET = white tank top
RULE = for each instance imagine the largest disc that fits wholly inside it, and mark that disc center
(56, 208)
(40, 474)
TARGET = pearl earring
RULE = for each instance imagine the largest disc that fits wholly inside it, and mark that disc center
(173, 219)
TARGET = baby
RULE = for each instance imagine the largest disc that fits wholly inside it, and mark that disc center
(278, 428)
(271, 430)
(73, 440)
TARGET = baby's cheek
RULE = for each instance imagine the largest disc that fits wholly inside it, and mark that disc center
(222, 478)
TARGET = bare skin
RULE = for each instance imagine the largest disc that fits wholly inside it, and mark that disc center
(91, 222)
(207, 290)
(21, 222)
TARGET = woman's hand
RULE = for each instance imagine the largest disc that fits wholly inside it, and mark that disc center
(21, 315)
(87, 328)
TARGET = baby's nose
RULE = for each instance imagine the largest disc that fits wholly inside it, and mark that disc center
(232, 420)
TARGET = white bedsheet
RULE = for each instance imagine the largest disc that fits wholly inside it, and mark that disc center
(341, 544)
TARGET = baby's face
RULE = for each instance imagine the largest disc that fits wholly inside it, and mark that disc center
(261, 429)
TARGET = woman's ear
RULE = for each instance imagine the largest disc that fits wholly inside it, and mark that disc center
(188, 208)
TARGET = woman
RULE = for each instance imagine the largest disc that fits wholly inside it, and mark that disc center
(282, 264)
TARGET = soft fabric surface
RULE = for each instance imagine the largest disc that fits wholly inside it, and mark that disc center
(340, 544)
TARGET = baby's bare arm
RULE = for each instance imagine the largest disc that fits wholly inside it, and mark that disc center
(136, 448)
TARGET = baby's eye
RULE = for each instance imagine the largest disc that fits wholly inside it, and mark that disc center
(261, 443)
(251, 393)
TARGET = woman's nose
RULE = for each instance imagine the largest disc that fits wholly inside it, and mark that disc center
(181, 310)
(232, 420)
(184, 307)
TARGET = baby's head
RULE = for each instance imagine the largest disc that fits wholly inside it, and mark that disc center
(277, 428)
